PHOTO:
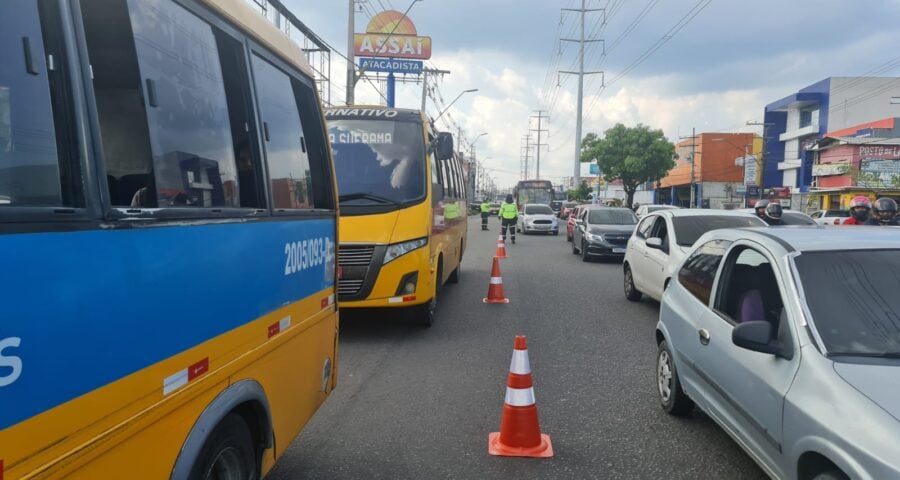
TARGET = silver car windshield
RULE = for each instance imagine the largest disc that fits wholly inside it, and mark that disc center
(853, 299)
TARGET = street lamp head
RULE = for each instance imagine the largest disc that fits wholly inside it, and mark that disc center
(471, 90)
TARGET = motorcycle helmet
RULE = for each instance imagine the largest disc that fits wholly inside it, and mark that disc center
(885, 209)
(774, 211)
(859, 207)
(760, 207)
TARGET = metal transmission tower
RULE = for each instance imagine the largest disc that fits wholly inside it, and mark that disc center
(526, 155)
(581, 73)
(537, 146)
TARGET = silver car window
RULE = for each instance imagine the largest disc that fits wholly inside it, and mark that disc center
(699, 271)
(748, 289)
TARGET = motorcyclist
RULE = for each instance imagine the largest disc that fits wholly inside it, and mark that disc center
(509, 215)
(773, 214)
(884, 212)
(760, 208)
(485, 213)
(859, 211)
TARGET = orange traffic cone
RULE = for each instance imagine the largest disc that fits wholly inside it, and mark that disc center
(501, 248)
(495, 290)
(520, 435)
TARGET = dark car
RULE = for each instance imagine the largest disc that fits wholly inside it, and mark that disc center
(602, 232)
(556, 206)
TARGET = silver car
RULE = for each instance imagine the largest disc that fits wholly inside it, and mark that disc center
(790, 340)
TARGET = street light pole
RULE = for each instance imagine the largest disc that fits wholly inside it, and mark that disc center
(454, 101)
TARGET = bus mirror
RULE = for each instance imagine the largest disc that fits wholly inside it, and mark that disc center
(443, 146)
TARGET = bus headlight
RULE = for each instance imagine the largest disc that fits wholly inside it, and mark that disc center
(397, 250)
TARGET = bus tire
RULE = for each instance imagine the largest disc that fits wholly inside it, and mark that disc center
(454, 275)
(426, 312)
(228, 452)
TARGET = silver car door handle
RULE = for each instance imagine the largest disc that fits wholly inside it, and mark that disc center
(704, 336)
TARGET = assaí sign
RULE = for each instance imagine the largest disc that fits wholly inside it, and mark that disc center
(390, 34)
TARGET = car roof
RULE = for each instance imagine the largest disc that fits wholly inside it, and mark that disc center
(785, 211)
(698, 212)
(604, 207)
(817, 238)
(536, 204)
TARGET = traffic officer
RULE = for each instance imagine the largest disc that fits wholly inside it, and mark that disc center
(884, 212)
(485, 213)
(509, 215)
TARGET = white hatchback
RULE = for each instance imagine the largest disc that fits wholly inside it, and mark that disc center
(663, 238)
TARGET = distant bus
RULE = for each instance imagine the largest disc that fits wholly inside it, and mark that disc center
(168, 227)
(533, 191)
(403, 209)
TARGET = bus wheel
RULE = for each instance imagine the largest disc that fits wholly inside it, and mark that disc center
(425, 313)
(228, 452)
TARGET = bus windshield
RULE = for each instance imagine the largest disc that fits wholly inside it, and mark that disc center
(378, 161)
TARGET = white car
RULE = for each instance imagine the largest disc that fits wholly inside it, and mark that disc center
(645, 210)
(663, 238)
(830, 217)
(537, 218)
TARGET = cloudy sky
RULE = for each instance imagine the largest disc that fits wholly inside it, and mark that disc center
(715, 73)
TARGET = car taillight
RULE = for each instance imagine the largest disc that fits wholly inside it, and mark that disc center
(837, 221)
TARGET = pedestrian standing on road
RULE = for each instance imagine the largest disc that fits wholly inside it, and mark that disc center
(485, 213)
(509, 215)
(884, 213)
(859, 211)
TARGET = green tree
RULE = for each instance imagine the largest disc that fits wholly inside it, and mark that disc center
(581, 193)
(634, 155)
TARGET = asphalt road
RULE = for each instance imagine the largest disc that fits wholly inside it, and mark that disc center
(419, 403)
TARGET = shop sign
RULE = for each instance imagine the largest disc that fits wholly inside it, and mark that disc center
(391, 34)
(828, 169)
(879, 173)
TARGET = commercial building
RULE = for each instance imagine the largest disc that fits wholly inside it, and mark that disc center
(860, 160)
(795, 123)
(722, 167)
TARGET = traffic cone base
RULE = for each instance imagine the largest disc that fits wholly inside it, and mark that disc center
(489, 300)
(544, 450)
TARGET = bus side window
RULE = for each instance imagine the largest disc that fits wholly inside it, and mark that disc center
(38, 167)
(316, 146)
(287, 154)
(166, 113)
(437, 180)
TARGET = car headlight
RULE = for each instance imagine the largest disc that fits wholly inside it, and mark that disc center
(399, 249)
(593, 237)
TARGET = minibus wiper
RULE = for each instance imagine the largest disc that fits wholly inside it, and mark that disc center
(368, 196)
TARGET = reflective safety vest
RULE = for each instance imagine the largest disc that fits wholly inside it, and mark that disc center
(509, 211)
(485, 207)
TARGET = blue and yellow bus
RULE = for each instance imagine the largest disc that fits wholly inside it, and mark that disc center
(403, 209)
(168, 228)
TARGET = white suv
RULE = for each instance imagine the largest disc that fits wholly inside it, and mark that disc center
(663, 238)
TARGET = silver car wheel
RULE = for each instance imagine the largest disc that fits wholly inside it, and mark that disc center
(664, 376)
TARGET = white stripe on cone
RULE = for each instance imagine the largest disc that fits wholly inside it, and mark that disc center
(496, 280)
(519, 364)
(520, 397)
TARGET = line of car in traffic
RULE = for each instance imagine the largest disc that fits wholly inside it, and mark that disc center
(788, 338)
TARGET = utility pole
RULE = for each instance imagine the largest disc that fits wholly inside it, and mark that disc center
(581, 73)
(526, 154)
(693, 138)
(761, 163)
(425, 73)
(540, 117)
(351, 50)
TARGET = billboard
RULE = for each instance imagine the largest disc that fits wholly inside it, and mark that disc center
(391, 65)
(390, 34)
